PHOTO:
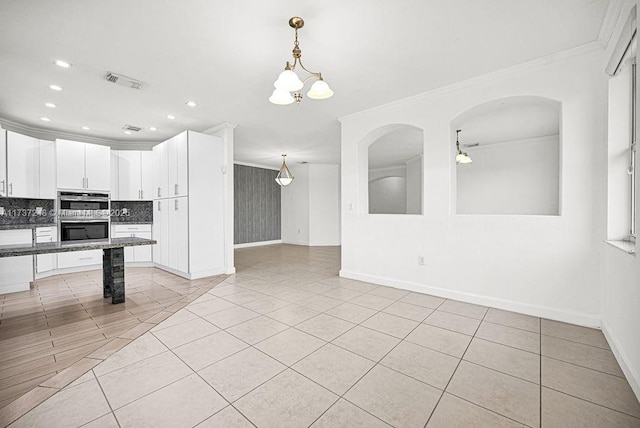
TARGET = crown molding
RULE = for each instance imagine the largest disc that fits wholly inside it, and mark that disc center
(49, 134)
(255, 165)
(219, 127)
(485, 78)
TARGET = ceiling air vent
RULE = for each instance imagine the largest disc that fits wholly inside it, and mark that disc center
(121, 80)
(132, 128)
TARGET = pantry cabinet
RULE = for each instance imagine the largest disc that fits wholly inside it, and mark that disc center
(189, 211)
(83, 166)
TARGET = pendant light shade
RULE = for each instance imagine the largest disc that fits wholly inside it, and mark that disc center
(320, 90)
(281, 97)
(288, 81)
(461, 157)
(284, 177)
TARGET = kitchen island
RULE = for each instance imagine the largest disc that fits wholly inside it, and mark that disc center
(112, 258)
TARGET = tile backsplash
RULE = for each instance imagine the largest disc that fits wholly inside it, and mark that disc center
(131, 212)
(18, 211)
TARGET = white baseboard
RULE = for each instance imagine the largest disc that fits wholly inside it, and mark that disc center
(625, 363)
(194, 275)
(579, 318)
(257, 244)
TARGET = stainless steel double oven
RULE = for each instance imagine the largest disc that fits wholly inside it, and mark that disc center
(83, 216)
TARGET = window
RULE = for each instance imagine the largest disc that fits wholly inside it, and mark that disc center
(622, 191)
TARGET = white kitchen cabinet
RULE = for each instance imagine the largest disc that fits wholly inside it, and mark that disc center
(161, 232)
(47, 169)
(134, 175)
(171, 167)
(160, 171)
(45, 263)
(16, 273)
(115, 196)
(134, 254)
(3, 162)
(189, 228)
(83, 166)
(76, 259)
(23, 166)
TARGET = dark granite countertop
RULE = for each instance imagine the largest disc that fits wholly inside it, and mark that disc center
(25, 226)
(65, 247)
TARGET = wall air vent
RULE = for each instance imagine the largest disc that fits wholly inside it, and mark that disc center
(121, 80)
(132, 128)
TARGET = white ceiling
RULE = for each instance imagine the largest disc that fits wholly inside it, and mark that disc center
(225, 55)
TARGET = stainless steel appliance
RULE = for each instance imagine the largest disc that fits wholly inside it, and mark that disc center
(83, 216)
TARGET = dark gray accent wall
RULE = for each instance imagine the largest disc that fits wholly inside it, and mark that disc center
(256, 205)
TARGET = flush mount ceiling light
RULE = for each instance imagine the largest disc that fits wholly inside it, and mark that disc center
(460, 156)
(190, 103)
(55, 87)
(284, 177)
(50, 105)
(288, 81)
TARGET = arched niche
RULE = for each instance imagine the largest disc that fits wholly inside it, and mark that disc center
(394, 169)
(514, 145)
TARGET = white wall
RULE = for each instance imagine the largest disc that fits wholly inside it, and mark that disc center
(295, 207)
(518, 177)
(549, 266)
(311, 206)
(388, 195)
(621, 287)
(324, 205)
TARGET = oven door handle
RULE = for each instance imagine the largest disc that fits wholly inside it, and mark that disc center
(94, 220)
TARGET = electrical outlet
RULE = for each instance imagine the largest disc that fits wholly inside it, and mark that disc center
(421, 260)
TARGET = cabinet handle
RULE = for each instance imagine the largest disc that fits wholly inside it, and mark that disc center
(3, 190)
(159, 194)
(175, 189)
(87, 182)
(176, 204)
(141, 194)
(11, 188)
(85, 258)
(159, 206)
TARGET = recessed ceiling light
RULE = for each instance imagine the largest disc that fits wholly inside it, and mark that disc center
(191, 103)
(61, 63)
(86, 128)
(55, 87)
(127, 132)
(170, 116)
(46, 119)
(50, 105)
(152, 128)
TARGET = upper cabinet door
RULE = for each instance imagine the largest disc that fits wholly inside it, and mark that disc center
(182, 167)
(23, 166)
(146, 175)
(47, 169)
(70, 164)
(97, 167)
(160, 171)
(3, 162)
(129, 175)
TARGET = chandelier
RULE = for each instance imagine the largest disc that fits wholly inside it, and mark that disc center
(284, 177)
(288, 86)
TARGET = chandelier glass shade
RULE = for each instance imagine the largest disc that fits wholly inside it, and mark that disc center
(288, 86)
(461, 157)
(284, 177)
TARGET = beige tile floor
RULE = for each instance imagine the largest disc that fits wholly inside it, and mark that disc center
(287, 343)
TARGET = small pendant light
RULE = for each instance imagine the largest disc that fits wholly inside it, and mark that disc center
(284, 177)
